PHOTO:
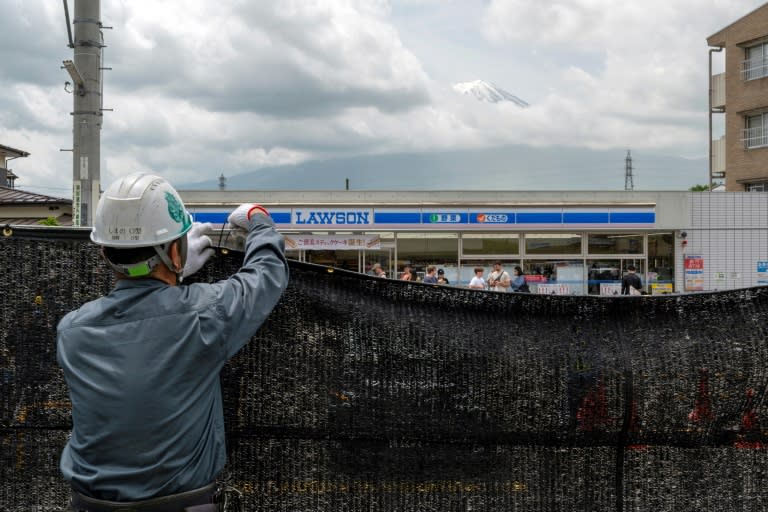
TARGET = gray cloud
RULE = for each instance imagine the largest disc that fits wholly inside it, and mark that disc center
(259, 58)
(200, 89)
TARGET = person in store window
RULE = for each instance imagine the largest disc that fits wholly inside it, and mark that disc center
(431, 277)
(408, 274)
(478, 282)
(630, 283)
(377, 271)
(518, 283)
(441, 279)
(498, 280)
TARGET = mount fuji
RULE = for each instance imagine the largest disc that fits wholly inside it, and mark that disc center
(488, 92)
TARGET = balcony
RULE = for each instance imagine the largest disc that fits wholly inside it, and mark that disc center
(752, 69)
(718, 92)
(718, 158)
(756, 137)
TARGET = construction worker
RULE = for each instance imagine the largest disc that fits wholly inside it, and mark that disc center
(142, 363)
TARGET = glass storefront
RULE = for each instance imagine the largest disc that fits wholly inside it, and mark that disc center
(419, 250)
(555, 276)
(552, 243)
(661, 262)
(489, 244)
(554, 263)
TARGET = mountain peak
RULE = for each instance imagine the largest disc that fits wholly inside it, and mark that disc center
(486, 91)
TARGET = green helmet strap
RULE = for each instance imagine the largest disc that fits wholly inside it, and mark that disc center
(145, 268)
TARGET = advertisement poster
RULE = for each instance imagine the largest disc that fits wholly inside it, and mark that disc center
(694, 273)
(762, 272)
(661, 288)
(332, 242)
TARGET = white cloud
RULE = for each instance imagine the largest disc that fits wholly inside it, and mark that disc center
(199, 91)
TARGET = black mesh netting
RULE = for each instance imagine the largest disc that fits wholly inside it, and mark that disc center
(364, 394)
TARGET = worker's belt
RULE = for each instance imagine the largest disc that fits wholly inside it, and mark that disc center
(189, 501)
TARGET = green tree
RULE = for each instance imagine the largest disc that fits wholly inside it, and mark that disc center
(699, 188)
(50, 221)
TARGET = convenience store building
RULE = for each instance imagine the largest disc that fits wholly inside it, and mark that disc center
(566, 242)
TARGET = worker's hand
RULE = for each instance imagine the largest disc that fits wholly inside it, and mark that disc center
(241, 216)
(198, 248)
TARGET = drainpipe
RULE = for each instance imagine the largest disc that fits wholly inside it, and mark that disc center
(711, 92)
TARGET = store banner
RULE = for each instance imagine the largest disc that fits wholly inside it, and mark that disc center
(693, 266)
(332, 242)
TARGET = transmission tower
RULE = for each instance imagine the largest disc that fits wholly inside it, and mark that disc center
(628, 183)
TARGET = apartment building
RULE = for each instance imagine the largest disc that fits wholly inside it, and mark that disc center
(740, 93)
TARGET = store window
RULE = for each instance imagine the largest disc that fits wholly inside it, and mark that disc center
(555, 277)
(614, 243)
(467, 270)
(604, 276)
(661, 263)
(489, 244)
(553, 243)
(381, 251)
(419, 250)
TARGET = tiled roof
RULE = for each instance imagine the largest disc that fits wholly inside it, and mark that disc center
(16, 196)
(7, 150)
(63, 220)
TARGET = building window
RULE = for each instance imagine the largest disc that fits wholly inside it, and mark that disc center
(756, 64)
(756, 187)
(756, 131)
(615, 243)
(553, 243)
(420, 250)
(489, 244)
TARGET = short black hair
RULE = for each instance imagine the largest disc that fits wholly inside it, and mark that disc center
(631, 268)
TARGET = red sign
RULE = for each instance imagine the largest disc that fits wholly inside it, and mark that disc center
(694, 263)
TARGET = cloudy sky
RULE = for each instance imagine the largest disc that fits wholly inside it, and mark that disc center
(201, 88)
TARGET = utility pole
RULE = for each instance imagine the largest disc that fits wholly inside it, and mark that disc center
(85, 70)
(628, 183)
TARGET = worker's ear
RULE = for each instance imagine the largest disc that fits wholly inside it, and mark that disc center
(175, 254)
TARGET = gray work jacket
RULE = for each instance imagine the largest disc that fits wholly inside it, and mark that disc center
(142, 365)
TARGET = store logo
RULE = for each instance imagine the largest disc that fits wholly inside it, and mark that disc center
(332, 217)
(445, 218)
(492, 218)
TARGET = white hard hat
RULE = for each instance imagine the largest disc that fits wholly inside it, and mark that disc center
(142, 210)
(139, 210)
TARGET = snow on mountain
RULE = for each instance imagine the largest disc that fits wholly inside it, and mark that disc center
(485, 91)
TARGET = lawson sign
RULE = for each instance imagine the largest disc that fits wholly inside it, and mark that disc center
(332, 217)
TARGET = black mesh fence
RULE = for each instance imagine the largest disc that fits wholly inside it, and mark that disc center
(365, 394)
